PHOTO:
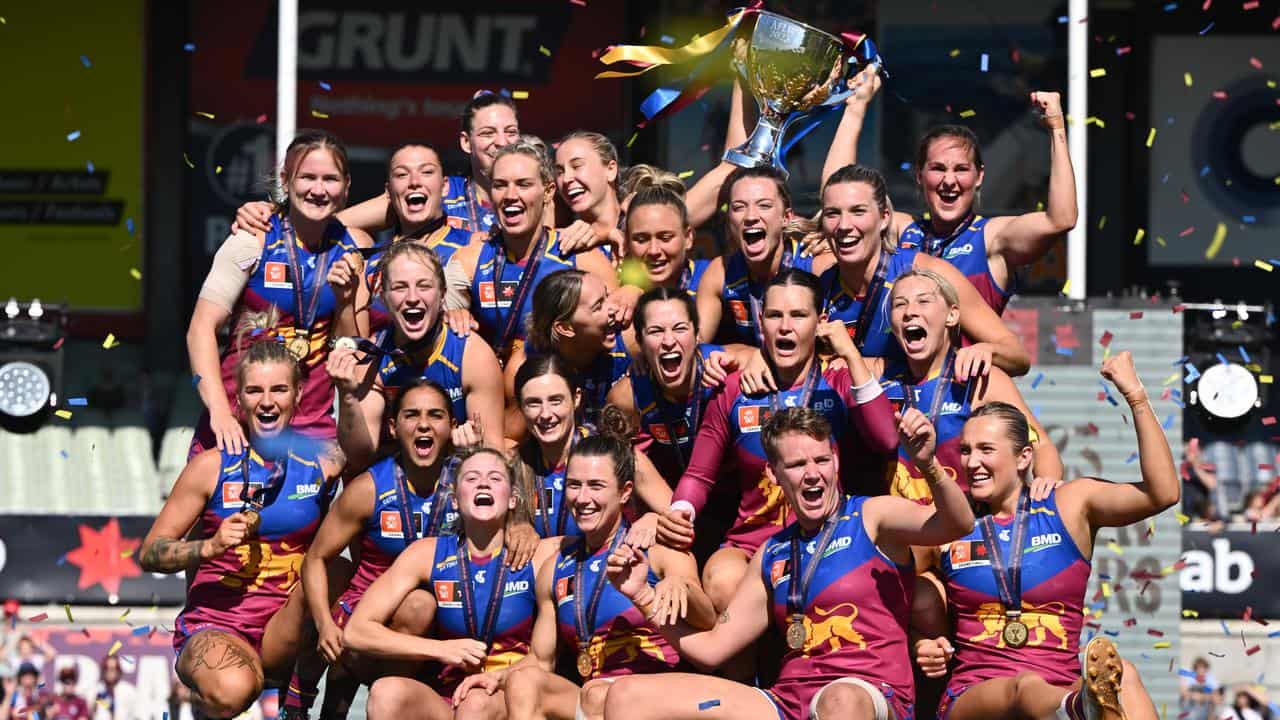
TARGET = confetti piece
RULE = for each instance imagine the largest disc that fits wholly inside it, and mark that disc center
(707, 705)
(955, 53)
(110, 342)
(67, 608)
(128, 225)
(140, 630)
(1263, 265)
(984, 63)
(685, 174)
(1186, 79)
(967, 113)
(1269, 420)
(1106, 338)
(1151, 137)
(73, 136)
(189, 47)
(188, 161)
(1102, 222)
(544, 51)
(632, 140)
(1162, 645)
(1137, 237)
(1135, 315)
(114, 648)
(1255, 648)
(205, 114)
(1206, 29)
(64, 414)
(1066, 287)
(319, 115)
(519, 94)
(325, 86)
(1123, 50)
(38, 618)
(84, 60)
(666, 40)
(126, 613)
(1251, 5)
(1187, 231)
(1219, 236)
(1265, 379)
(1115, 548)
(1256, 63)
(88, 166)
(135, 273)
(1098, 72)
(1036, 383)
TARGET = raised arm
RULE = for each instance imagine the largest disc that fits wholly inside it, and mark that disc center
(870, 412)
(704, 197)
(483, 384)
(360, 405)
(346, 278)
(990, 336)
(340, 527)
(844, 145)
(163, 549)
(1107, 504)
(710, 287)
(1022, 239)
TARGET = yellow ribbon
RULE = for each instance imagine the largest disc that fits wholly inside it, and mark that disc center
(655, 56)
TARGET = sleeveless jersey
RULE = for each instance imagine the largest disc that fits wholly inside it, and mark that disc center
(622, 641)
(967, 250)
(384, 531)
(463, 209)
(444, 367)
(840, 304)
(240, 590)
(738, 323)
(1054, 579)
(608, 368)
(491, 297)
(551, 514)
(512, 629)
(692, 276)
(856, 615)
(445, 242)
(730, 436)
(272, 283)
(663, 427)
(954, 408)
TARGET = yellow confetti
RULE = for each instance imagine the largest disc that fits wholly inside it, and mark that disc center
(967, 113)
(110, 342)
(1161, 241)
(64, 414)
(1186, 78)
(1066, 287)
(205, 115)
(67, 607)
(685, 174)
(1151, 137)
(955, 52)
(1183, 519)
(1106, 590)
(320, 115)
(1115, 548)
(1163, 644)
(1270, 83)
(217, 170)
(3, 21)
(1171, 379)
(1098, 72)
(114, 648)
(1191, 613)
(1219, 235)
(126, 613)
(1039, 206)
(1103, 222)
(136, 273)
(1265, 379)
(519, 94)
(1263, 265)
(632, 140)
(542, 49)
(126, 554)
(1137, 237)
(1093, 120)
(187, 160)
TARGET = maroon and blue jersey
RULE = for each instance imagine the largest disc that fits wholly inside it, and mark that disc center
(552, 515)
(513, 625)
(856, 615)
(492, 297)
(840, 304)
(463, 208)
(1054, 578)
(443, 367)
(240, 590)
(622, 641)
(742, 297)
(667, 428)
(608, 367)
(728, 443)
(445, 242)
(948, 404)
(385, 535)
(692, 276)
(966, 248)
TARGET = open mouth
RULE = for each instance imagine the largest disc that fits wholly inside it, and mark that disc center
(416, 201)
(812, 493)
(483, 499)
(949, 197)
(414, 318)
(913, 337)
(979, 480)
(669, 363)
(581, 513)
(848, 242)
(423, 444)
(317, 202)
(753, 238)
(785, 345)
(267, 418)
(575, 192)
(512, 213)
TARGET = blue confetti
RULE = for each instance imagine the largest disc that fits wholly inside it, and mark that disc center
(189, 47)
(1100, 605)
(1036, 383)
(1170, 7)
(1192, 373)
(84, 60)
(666, 40)
(1222, 358)
(1129, 460)
(1064, 351)
(1180, 404)
(1183, 672)
(141, 630)
(64, 454)
(1274, 634)
(195, 381)
(1225, 630)
(62, 560)
(1181, 360)
(905, 166)
(1112, 633)
(1063, 19)
(1035, 410)
(128, 225)
(78, 402)
(88, 165)
(1244, 354)
(1168, 422)
(1207, 28)
(1249, 219)
(1204, 171)
(325, 86)
(1175, 393)
(1165, 179)
(984, 63)
(707, 705)
(1103, 576)
(73, 136)
(504, 92)
(1169, 120)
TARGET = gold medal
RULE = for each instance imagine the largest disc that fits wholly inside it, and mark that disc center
(1014, 634)
(299, 347)
(796, 634)
(584, 664)
(252, 521)
(345, 343)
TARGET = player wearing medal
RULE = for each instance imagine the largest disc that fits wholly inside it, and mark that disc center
(587, 171)
(382, 511)
(496, 273)
(730, 292)
(418, 344)
(925, 318)
(285, 267)
(949, 173)
(253, 514)
(850, 399)
(659, 236)
(574, 319)
(481, 610)
(1015, 586)
(837, 582)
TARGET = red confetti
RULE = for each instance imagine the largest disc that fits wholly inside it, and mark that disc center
(58, 344)
(1106, 338)
(1135, 315)
(1129, 116)
(1131, 622)
(1015, 56)
(1219, 94)
(1185, 197)
(1155, 633)
(1248, 613)
(1275, 24)
(1166, 393)
(1255, 62)
(38, 618)
(1266, 466)
(1187, 232)
(1251, 5)
(1206, 5)
(1255, 648)
(579, 3)
(1179, 308)
(1123, 50)
(262, 118)
(1101, 396)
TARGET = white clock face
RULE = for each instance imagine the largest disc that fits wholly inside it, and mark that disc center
(1228, 391)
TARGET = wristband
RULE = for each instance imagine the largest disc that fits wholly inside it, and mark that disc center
(686, 506)
(867, 391)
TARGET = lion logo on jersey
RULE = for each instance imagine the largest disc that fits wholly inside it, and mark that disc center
(627, 647)
(834, 630)
(773, 508)
(1041, 621)
(259, 563)
(906, 485)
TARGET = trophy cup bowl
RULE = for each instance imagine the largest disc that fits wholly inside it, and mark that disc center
(790, 69)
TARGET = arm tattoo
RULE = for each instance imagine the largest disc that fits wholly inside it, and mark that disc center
(167, 555)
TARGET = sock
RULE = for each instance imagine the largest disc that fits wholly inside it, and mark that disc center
(301, 693)
(1072, 707)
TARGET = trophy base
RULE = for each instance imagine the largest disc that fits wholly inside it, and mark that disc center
(743, 158)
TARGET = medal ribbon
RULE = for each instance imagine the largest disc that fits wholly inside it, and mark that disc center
(256, 500)
(544, 509)
(483, 634)
(525, 285)
(408, 530)
(810, 382)
(863, 322)
(303, 318)
(441, 498)
(939, 390)
(674, 415)
(584, 614)
(377, 348)
(798, 589)
(934, 245)
(1008, 571)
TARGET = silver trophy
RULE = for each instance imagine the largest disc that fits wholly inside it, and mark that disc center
(791, 69)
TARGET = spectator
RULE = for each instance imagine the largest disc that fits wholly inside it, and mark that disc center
(1198, 483)
(1250, 704)
(24, 696)
(67, 704)
(1240, 468)
(116, 696)
(31, 651)
(1200, 694)
(1264, 505)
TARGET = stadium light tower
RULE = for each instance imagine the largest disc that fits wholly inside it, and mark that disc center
(30, 363)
